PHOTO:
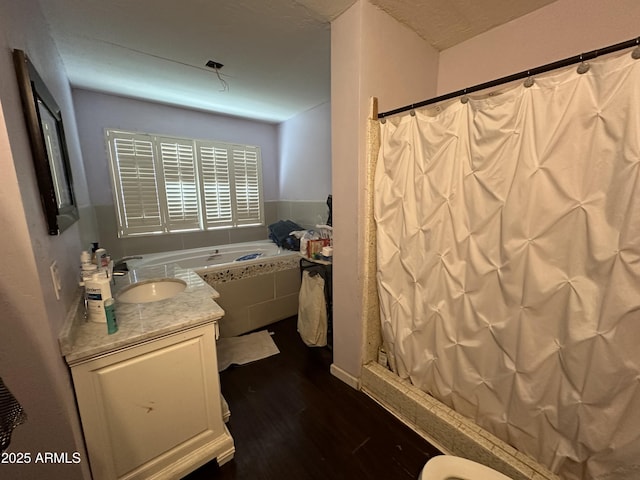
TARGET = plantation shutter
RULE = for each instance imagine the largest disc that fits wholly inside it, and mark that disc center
(164, 184)
(134, 176)
(216, 183)
(180, 184)
(247, 180)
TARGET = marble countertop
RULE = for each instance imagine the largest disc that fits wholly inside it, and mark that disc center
(138, 322)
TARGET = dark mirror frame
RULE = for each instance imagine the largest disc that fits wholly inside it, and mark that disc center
(48, 147)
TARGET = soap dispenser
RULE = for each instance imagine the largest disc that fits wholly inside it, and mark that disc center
(94, 247)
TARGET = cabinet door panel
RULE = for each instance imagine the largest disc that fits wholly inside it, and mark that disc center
(146, 407)
(153, 402)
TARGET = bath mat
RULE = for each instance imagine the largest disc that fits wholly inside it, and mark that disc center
(245, 349)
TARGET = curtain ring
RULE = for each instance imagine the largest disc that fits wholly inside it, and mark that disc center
(412, 112)
(635, 54)
(529, 81)
(464, 98)
(383, 120)
(583, 67)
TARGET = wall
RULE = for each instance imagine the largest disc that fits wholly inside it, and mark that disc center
(305, 155)
(30, 361)
(562, 29)
(305, 166)
(97, 111)
(371, 55)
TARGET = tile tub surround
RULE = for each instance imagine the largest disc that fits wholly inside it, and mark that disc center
(252, 268)
(107, 232)
(257, 294)
(81, 339)
(446, 429)
(305, 213)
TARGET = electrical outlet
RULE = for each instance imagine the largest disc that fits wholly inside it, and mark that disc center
(55, 278)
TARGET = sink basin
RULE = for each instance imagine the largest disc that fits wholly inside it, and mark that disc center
(148, 291)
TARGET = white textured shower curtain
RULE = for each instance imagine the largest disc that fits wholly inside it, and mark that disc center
(508, 232)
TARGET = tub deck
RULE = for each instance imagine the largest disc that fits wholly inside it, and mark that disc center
(253, 293)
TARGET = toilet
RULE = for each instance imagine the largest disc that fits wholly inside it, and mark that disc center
(449, 467)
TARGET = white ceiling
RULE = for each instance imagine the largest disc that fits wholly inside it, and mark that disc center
(276, 53)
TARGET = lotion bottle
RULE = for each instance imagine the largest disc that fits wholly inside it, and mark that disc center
(98, 289)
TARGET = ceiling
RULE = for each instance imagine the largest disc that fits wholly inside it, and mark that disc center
(276, 53)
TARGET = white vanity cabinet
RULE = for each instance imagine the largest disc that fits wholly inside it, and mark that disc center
(153, 410)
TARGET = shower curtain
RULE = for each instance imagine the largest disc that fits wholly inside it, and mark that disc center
(508, 233)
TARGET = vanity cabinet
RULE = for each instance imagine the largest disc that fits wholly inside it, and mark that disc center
(153, 410)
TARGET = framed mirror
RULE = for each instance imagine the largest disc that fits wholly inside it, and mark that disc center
(48, 147)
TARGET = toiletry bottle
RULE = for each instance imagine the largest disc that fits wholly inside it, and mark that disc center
(94, 247)
(85, 257)
(87, 271)
(110, 312)
(98, 290)
(85, 261)
(102, 258)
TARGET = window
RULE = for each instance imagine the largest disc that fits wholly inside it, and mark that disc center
(164, 184)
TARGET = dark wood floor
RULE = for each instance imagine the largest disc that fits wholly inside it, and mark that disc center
(292, 419)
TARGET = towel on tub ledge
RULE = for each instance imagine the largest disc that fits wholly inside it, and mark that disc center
(11, 415)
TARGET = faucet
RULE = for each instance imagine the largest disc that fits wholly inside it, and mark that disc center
(216, 253)
(120, 265)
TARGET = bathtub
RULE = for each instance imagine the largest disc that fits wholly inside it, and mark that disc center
(219, 256)
(258, 282)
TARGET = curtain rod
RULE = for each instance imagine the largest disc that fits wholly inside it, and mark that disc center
(518, 76)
